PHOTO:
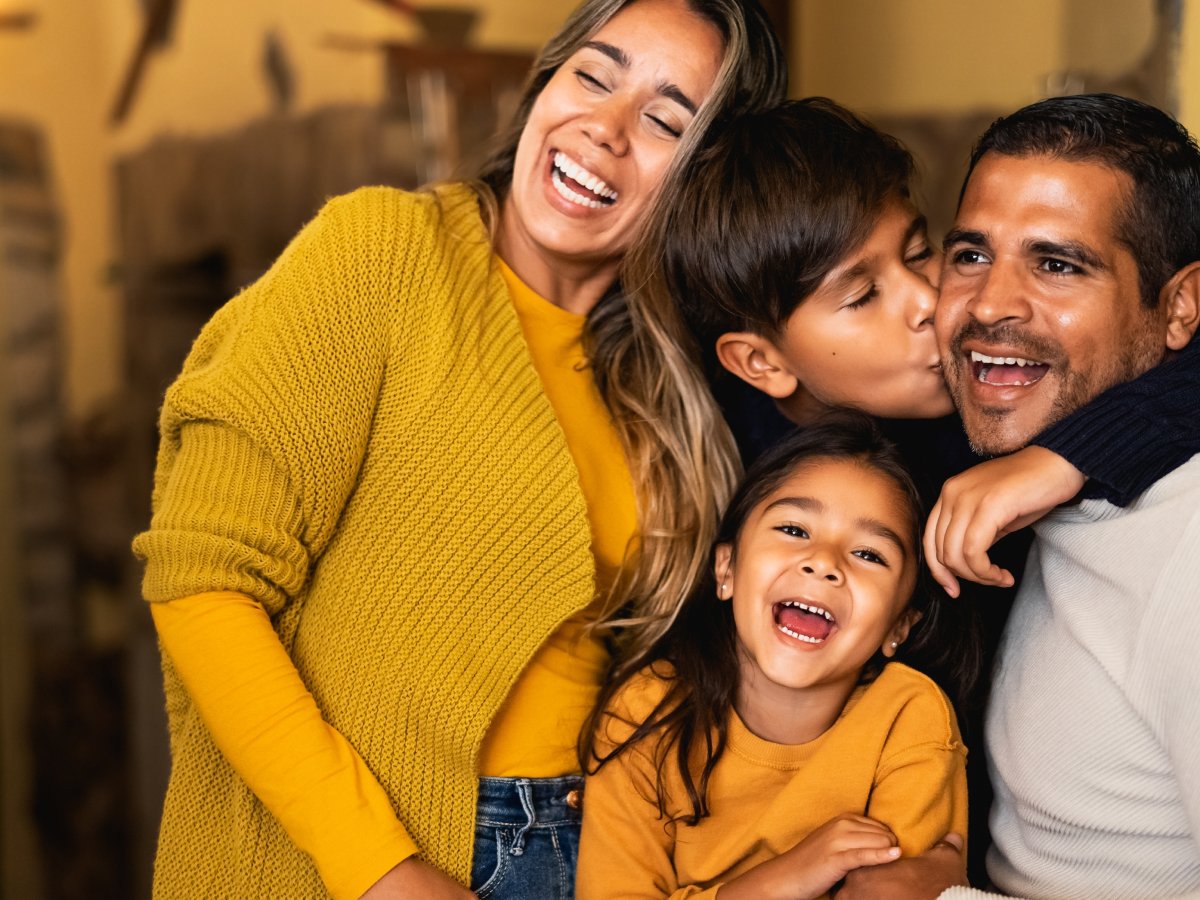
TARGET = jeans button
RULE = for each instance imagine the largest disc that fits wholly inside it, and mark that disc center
(575, 799)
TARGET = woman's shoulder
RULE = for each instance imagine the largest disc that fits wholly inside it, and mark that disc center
(379, 211)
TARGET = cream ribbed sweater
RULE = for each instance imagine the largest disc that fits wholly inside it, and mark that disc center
(376, 463)
(1094, 720)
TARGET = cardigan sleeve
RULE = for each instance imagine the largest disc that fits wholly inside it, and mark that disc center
(1135, 432)
(277, 395)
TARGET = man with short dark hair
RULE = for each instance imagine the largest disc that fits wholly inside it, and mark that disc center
(1073, 266)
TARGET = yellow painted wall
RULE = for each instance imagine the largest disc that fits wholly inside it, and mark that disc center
(64, 76)
(904, 57)
(1189, 67)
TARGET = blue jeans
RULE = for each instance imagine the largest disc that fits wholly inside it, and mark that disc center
(527, 838)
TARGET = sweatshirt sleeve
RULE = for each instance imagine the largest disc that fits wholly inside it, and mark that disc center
(1135, 432)
(921, 783)
(626, 849)
(269, 728)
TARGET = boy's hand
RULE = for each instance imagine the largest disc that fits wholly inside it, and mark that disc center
(917, 878)
(985, 503)
(818, 862)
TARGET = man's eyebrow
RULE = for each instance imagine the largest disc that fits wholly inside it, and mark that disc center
(964, 236)
(1075, 251)
(621, 58)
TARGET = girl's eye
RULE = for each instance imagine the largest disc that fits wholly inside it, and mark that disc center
(863, 300)
(1059, 267)
(660, 125)
(793, 531)
(591, 82)
(871, 556)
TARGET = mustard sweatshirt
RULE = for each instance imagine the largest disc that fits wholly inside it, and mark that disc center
(360, 443)
(895, 755)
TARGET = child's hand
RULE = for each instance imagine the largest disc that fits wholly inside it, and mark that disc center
(818, 862)
(985, 503)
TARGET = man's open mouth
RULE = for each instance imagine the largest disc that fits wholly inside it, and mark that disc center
(805, 622)
(575, 183)
(1007, 371)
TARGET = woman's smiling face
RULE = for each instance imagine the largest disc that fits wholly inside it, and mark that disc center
(821, 575)
(602, 133)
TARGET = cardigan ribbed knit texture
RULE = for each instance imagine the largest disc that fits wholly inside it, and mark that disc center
(382, 471)
(1094, 721)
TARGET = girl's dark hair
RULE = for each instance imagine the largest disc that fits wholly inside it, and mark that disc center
(777, 200)
(691, 720)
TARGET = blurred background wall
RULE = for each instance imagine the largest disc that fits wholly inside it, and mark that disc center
(156, 154)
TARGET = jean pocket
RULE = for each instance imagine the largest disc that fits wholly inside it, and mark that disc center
(493, 858)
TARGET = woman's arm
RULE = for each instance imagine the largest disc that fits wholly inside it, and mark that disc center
(268, 726)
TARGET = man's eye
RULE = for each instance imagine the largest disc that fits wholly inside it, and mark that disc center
(968, 258)
(1059, 267)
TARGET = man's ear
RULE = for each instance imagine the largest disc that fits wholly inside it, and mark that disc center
(1182, 297)
(756, 360)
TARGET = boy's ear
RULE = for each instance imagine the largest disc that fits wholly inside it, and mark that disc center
(1182, 294)
(723, 571)
(898, 633)
(756, 360)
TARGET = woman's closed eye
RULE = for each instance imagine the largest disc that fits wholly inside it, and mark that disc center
(591, 82)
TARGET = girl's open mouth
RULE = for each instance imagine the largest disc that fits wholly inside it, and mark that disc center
(805, 622)
(1007, 371)
(577, 184)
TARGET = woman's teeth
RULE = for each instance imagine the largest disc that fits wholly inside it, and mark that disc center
(581, 176)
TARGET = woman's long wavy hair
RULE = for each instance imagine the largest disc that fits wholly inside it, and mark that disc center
(681, 454)
(698, 655)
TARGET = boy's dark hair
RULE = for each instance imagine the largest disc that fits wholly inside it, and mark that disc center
(1160, 219)
(770, 207)
(691, 720)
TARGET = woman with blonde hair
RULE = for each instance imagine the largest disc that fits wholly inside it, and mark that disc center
(405, 475)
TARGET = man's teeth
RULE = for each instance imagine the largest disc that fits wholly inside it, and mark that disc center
(563, 165)
(978, 357)
(815, 610)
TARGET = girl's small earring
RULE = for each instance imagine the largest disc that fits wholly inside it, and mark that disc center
(895, 645)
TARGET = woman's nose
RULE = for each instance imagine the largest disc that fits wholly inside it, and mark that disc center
(607, 125)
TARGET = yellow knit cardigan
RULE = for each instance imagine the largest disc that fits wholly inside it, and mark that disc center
(368, 452)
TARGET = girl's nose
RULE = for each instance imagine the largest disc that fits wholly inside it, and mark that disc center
(820, 567)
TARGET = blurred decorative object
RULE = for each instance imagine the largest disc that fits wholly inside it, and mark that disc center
(278, 70)
(447, 26)
(159, 16)
(18, 19)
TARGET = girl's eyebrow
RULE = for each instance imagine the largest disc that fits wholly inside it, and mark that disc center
(621, 58)
(866, 523)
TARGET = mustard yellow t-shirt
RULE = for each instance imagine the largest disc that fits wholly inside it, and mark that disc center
(535, 733)
(895, 754)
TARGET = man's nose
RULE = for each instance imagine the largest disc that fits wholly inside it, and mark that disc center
(1000, 295)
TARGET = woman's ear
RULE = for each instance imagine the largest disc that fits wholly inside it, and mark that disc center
(1182, 295)
(723, 571)
(898, 633)
(758, 362)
